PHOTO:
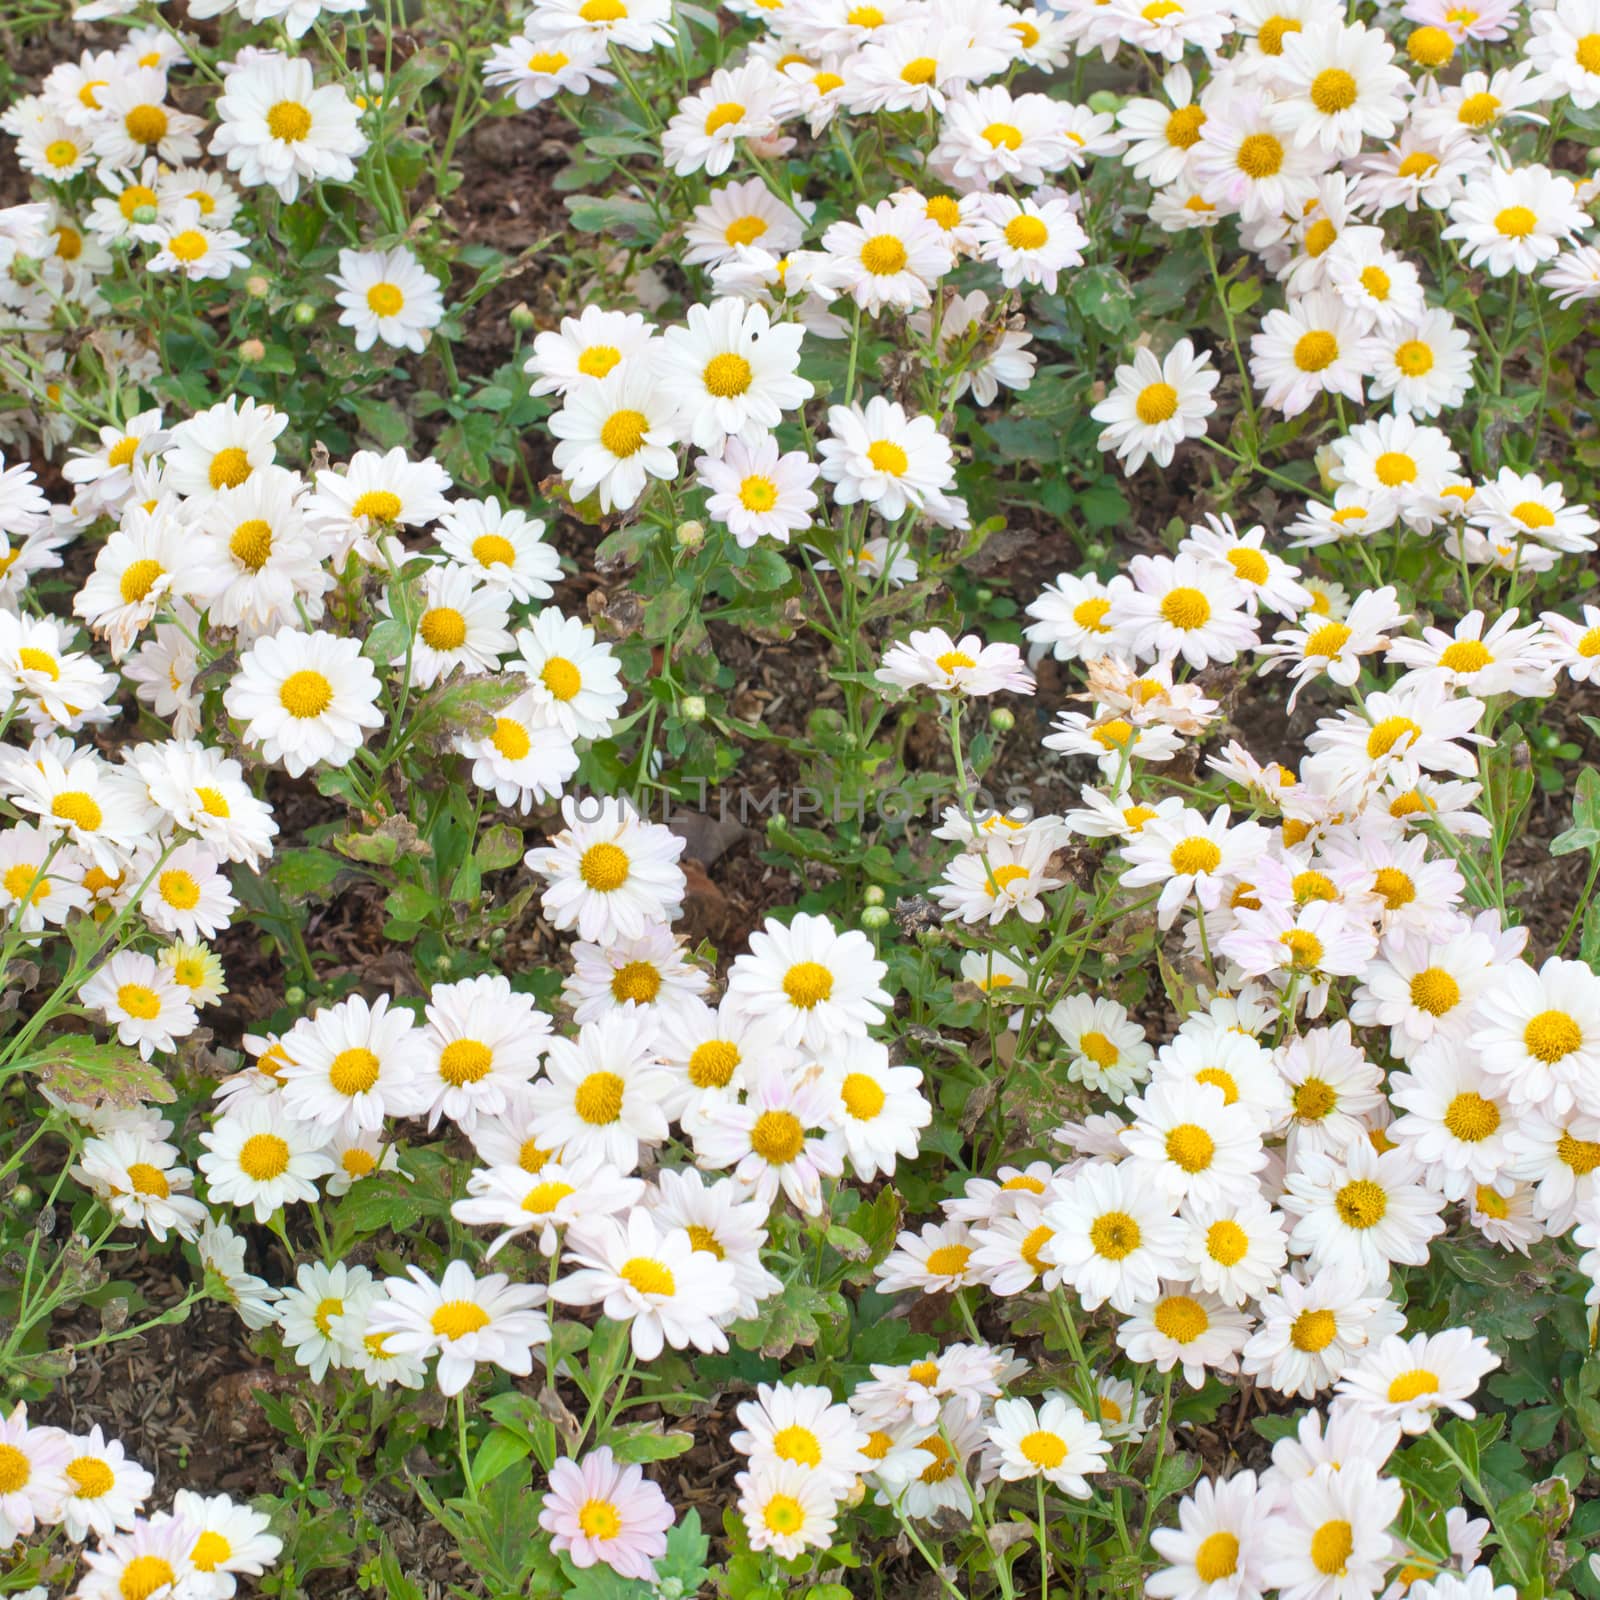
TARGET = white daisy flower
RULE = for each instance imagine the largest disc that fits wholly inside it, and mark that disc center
(465, 1321)
(257, 1155)
(350, 1065)
(387, 295)
(651, 1278)
(306, 699)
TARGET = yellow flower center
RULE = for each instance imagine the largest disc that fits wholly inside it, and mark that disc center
(638, 981)
(1435, 991)
(139, 578)
(863, 1097)
(544, 1197)
(1331, 1547)
(883, 255)
(264, 1156)
(1531, 514)
(1465, 655)
(561, 678)
(1270, 34)
(1186, 608)
(1032, 1247)
(1190, 1147)
(443, 628)
(143, 1576)
(354, 1071)
(1516, 222)
(379, 505)
(727, 375)
(705, 1241)
(604, 867)
(1361, 1204)
(251, 544)
(623, 432)
(1478, 110)
(189, 245)
(1316, 351)
(1589, 645)
(1333, 90)
(744, 230)
(179, 889)
(783, 1514)
(1430, 47)
(1157, 402)
(807, 984)
(648, 1276)
(1492, 1203)
(1099, 1049)
(305, 694)
(1472, 1118)
(713, 1064)
(945, 210)
(1249, 565)
(1587, 52)
(1581, 1155)
(385, 300)
(1090, 615)
(795, 1443)
(1114, 1235)
(1181, 1318)
(465, 1061)
(326, 1311)
(1314, 1099)
(922, 70)
(1551, 1036)
(455, 1319)
(1003, 133)
(1183, 127)
(599, 1519)
(289, 120)
(924, 1372)
(1260, 156)
(758, 493)
(1313, 1331)
(949, 1260)
(1042, 1449)
(599, 1099)
(724, 115)
(146, 124)
(139, 1001)
(511, 739)
(89, 1475)
(1412, 1385)
(1195, 855)
(886, 456)
(1304, 947)
(210, 1551)
(778, 1137)
(598, 360)
(78, 808)
(1388, 733)
(547, 61)
(1026, 232)
(1216, 1557)
(1227, 1243)
(493, 550)
(954, 661)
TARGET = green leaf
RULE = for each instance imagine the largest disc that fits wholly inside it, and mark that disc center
(500, 1451)
(626, 221)
(644, 1442)
(499, 847)
(306, 874)
(89, 1072)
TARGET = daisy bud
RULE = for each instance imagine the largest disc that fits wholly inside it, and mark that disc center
(143, 215)
(690, 535)
(22, 1197)
(252, 350)
(257, 287)
(1001, 720)
(294, 995)
(304, 313)
(1106, 100)
(1326, 460)
(521, 317)
(875, 917)
(692, 708)
(872, 895)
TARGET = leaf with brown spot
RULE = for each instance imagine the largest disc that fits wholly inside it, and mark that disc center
(89, 1072)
